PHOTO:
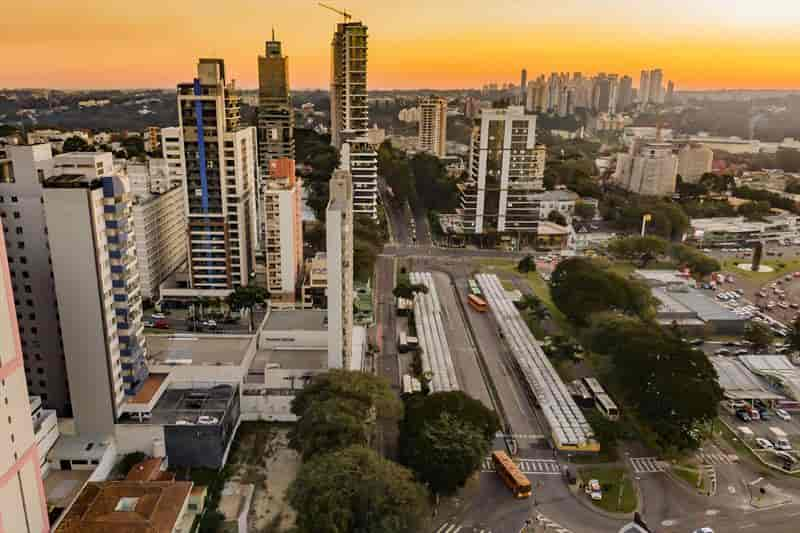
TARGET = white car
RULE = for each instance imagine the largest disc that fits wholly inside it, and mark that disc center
(783, 414)
(783, 444)
(764, 444)
(703, 530)
(158, 316)
(207, 420)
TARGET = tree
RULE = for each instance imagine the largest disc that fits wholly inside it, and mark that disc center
(405, 289)
(557, 218)
(758, 335)
(340, 408)
(526, 264)
(444, 438)
(580, 287)
(75, 144)
(754, 210)
(673, 387)
(247, 298)
(356, 490)
(699, 263)
(584, 211)
(638, 248)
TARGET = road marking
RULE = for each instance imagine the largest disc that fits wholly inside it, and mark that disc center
(746, 526)
(643, 465)
(712, 512)
(543, 467)
(717, 458)
(451, 528)
(520, 436)
(732, 490)
(668, 523)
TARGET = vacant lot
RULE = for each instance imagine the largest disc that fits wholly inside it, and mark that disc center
(262, 456)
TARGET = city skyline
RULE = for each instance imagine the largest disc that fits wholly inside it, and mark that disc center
(119, 46)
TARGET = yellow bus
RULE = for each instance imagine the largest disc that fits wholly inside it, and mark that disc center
(514, 479)
(477, 303)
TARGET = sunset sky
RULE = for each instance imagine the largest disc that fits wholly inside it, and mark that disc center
(413, 43)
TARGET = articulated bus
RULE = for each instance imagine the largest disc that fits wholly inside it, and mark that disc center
(514, 479)
(477, 303)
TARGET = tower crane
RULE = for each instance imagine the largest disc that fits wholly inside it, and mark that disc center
(347, 16)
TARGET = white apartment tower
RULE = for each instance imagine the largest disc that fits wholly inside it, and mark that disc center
(506, 169)
(22, 213)
(281, 202)
(433, 125)
(339, 240)
(644, 87)
(220, 193)
(657, 86)
(93, 251)
(159, 222)
(350, 112)
(172, 151)
(694, 161)
(23, 507)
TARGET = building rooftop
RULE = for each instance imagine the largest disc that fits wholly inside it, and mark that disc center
(558, 195)
(290, 359)
(235, 499)
(706, 308)
(302, 319)
(127, 507)
(185, 406)
(72, 181)
(738, 382)
(212, 350)
(149, 388)
(85, 447)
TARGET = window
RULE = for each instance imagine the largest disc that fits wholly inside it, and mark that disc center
(14, 199)
(34, 330)
(25, 274)
(31, 316)
(42, 383)
(16, 214)
(19, 231)
(40, 174)
(23, 260)
(40, 370)
(27, 288)
(21, 245)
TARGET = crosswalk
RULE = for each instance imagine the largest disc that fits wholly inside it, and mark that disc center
(646, 465)
(549, 525)
(530, 466)
(447, 527)
(717, 458)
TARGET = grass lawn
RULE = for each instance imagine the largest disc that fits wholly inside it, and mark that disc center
(782, 267)
(612, 481)
(537, 284)
(689, 474)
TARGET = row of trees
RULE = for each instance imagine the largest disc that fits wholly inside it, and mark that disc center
(775, 200)
(669, 387)
(625, 211)
(420, 179)
(649, 248)
(344, 485)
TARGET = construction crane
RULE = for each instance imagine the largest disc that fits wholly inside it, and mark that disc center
(347, 16)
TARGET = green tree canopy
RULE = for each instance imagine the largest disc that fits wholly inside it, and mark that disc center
(340, 408)
(557, 218)
(673, 387)
(584, 211)
(75, 144)
(527, 264)
(445, 436)
(356, 490)
(636, 247)
(794, 335)
(699, 263)
(580, 288)
(247, 298)
(758, 335)
(406, 289)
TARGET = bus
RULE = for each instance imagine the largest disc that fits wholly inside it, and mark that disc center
(603, 401)
(514, 479)
(474, 288)
(477, 303)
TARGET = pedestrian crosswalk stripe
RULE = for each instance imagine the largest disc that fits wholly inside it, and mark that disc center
(644, 465)
(717, 458)
(447, 527)
(529, 466)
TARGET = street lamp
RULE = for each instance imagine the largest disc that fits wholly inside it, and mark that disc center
(645, 219)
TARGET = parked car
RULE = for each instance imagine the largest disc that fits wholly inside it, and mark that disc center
(783, 414)
(703, 530)
(782, 443)
(593, 489)
(764, 444)
(148, 323)
(207, 420)
(764, 414)
(161, 324)
(158, 316)
(743, 416)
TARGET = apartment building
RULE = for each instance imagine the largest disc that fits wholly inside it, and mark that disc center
(433, 125)
(22, 213)
(694, 161)
(649, 169)
(506, 168)
(281, 198)
(350, 113)
(93, 253)
(172, 152)
(23, 507)
(159, 222)
(275, 112)
(315, 282)
(220, 194)
(339, 240)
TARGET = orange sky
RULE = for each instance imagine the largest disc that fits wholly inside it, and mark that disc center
(413, 43)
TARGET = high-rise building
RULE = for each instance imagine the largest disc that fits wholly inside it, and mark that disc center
(172, 150)
(23, 507)
(159, 223)
(433, 125)
(523, 85)
(281, 202)
(350, 113)
(649, 169)
(506, 169)
(656, 86)
(93, 251)
(339, 241)
(275, 113)
(605, 94)
(220, 193)
(644, 87)
(694, 161)
(670, 92)
(624, 93)
(22, 213)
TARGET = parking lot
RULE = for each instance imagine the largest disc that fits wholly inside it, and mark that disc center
(762, 436)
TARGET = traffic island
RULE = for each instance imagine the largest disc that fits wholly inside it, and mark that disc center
(617, 493)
